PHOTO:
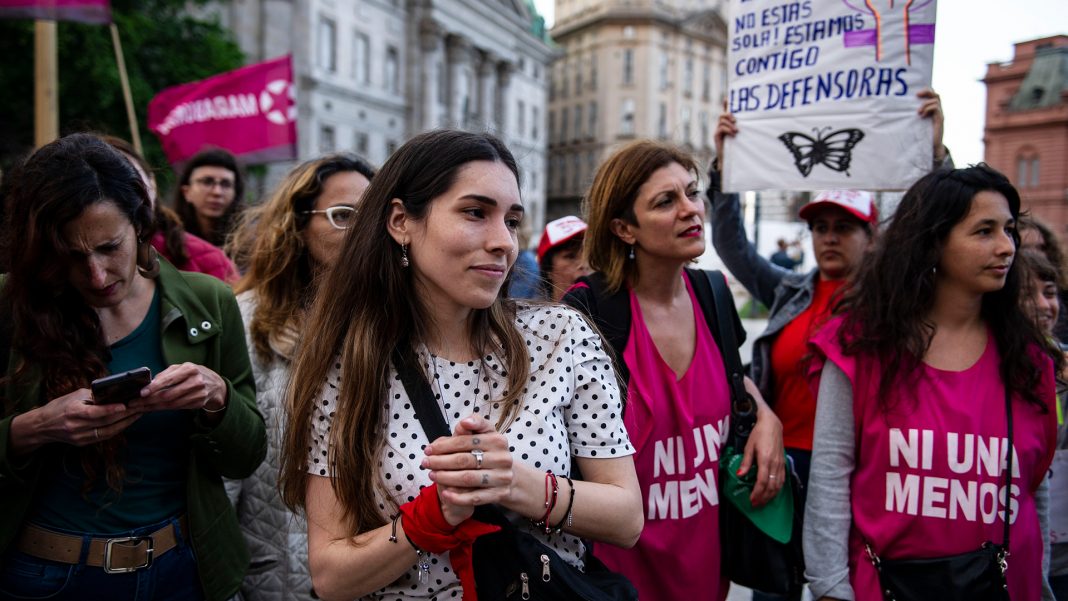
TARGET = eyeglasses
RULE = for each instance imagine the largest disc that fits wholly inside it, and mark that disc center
(210, 182)
(340, 216)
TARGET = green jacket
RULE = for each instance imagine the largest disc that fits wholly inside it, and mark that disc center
(200, 324)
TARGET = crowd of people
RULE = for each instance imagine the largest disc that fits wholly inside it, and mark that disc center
(334, 392)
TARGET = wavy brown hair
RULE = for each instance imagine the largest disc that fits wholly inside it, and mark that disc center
(612, 196)
(887, 308)
(55, 333)
(164, 219)
(367, 305)
(268, 243)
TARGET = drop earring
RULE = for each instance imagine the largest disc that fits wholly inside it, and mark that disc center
(404, 255)
(630, 255)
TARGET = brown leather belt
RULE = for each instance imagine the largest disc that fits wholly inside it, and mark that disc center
(116, 555)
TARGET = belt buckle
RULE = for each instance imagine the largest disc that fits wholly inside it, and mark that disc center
(136, 540)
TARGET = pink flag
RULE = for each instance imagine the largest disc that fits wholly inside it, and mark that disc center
(86, 11)
(251, 112)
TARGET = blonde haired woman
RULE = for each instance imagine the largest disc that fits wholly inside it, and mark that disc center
(285, 243)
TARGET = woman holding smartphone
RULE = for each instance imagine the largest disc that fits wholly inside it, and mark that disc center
(119, 500)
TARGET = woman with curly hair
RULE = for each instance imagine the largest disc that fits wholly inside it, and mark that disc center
(114, 497)
(286, 243)
(931, 367)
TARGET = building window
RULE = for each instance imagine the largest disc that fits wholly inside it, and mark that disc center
(628, 32)
(578, 122)
(360, 143)
(361, 58)
(706, 81)
(628, 66)
(391, 147)
(703, 118)
(392, 83)
(327, 44)
(521, 115)
(593, 72)
(591, 165)
(592, 131)
(1027, 167)
(535, 116)
(327, 142)
(563, 81)
(565, 116)
(578, 77)
(443, 84)
(576, 173)
(687, 76)
(626, 117)
(685, 125)
(664, 78)
(552, 127)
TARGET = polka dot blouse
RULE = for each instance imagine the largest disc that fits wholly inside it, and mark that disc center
(570, 407)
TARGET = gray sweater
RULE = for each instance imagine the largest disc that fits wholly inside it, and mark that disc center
(827, 510)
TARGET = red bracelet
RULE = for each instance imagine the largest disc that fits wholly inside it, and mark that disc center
(552, 488)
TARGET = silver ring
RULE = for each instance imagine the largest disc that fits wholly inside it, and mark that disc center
(478, 458)
(771, 477)
(96, 433)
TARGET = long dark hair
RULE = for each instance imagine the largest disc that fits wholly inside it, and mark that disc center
(886, 310)
(211, 157)
(54, 330)
(381, 310)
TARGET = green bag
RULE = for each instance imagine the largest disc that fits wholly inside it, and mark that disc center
(776, 518)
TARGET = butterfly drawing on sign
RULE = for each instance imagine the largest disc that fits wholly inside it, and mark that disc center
(835, 150)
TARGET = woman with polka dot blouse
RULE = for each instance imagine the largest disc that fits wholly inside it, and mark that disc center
(646, 224)
(523, 388)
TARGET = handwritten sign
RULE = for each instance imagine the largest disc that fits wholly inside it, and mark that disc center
(825, 94)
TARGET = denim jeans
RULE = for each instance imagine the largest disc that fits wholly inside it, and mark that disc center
(172, 576)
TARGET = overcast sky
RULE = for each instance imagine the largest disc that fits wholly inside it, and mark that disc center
(970, 34)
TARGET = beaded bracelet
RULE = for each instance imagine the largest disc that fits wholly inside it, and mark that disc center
(559, 527)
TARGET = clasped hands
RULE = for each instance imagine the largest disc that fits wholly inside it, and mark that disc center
(472, 467)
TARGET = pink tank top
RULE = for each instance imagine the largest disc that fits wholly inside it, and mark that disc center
(929, 478)
(677, 428)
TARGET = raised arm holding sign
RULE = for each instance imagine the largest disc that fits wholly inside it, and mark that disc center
(826, 90)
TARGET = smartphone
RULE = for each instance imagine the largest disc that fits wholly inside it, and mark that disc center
(122, 387)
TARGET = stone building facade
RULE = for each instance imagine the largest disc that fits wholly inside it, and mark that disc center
(372, 73)
(1026, 132)
(630, 69)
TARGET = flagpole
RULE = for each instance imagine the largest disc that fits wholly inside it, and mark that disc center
(45, 83)
(126, 95)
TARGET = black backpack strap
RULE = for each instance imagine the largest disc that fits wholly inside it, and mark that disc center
(610, 313)
(743, 407)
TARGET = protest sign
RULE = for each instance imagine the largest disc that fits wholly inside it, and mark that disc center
(824, 92)
(85, 11)
(251, 112)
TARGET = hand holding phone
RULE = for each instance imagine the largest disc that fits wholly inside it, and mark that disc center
(122, 387)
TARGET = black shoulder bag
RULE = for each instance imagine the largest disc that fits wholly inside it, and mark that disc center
(750, 557)
(511, 563)
(975, 576)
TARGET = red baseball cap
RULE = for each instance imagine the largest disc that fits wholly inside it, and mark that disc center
(559, 231)
(857, 203)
